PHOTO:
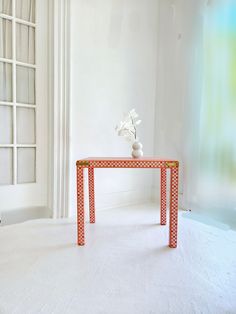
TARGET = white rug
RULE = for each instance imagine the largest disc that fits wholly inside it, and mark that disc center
(125, 267)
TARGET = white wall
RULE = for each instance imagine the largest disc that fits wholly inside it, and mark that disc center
(113, 69)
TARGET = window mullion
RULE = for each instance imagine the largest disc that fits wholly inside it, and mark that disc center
(14, 90)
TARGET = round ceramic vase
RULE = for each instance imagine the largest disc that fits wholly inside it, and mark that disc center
(137, 150)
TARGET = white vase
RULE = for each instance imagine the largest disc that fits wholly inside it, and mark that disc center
(137, 150)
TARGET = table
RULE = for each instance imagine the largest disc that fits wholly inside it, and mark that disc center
(97, 162)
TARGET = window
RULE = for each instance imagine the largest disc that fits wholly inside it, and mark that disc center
(17, 92)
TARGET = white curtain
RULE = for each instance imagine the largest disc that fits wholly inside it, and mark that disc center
(6, 7)
(5, 38)
(210, 153)
(5, 52)
(25, 43)
(25, 10)
(196, 101)
(5, 81)
(25, 52)
(216, 177)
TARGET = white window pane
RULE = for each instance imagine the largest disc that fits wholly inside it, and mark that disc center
(5, 38)
(25, 85)
(26, 165)
(6, 125)
(25, 10)
(6, 168)
(25, 118)
(5, 81)
(6, 7)
(25, 42)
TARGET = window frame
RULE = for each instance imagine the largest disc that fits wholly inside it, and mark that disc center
(14, 104)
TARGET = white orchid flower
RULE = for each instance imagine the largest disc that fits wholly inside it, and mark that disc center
(133, 114)
(127, 128)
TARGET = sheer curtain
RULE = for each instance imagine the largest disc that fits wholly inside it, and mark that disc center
(211, 155)
(25, 10)
(5, 52)
(25, 52)
(5, 39)
(6, 7)
(196, 101)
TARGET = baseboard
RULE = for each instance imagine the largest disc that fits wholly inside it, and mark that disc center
(105, 201)
(125, 198)
(18, 215)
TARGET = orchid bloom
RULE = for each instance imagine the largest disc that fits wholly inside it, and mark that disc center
(127, 128)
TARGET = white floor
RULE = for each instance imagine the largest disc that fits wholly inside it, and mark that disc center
(125, 267)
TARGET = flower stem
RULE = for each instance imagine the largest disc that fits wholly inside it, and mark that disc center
(135, 130)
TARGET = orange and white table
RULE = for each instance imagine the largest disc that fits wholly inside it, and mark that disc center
(97, 162)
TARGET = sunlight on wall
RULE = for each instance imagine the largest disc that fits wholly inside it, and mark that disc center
(218, 115)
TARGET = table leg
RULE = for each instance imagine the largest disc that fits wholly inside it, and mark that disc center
(91, 195)
(80, 205)
(163, 197)
(174, 182)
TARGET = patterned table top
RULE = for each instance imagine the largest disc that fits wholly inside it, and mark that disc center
(127, 162)
(128, 158)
